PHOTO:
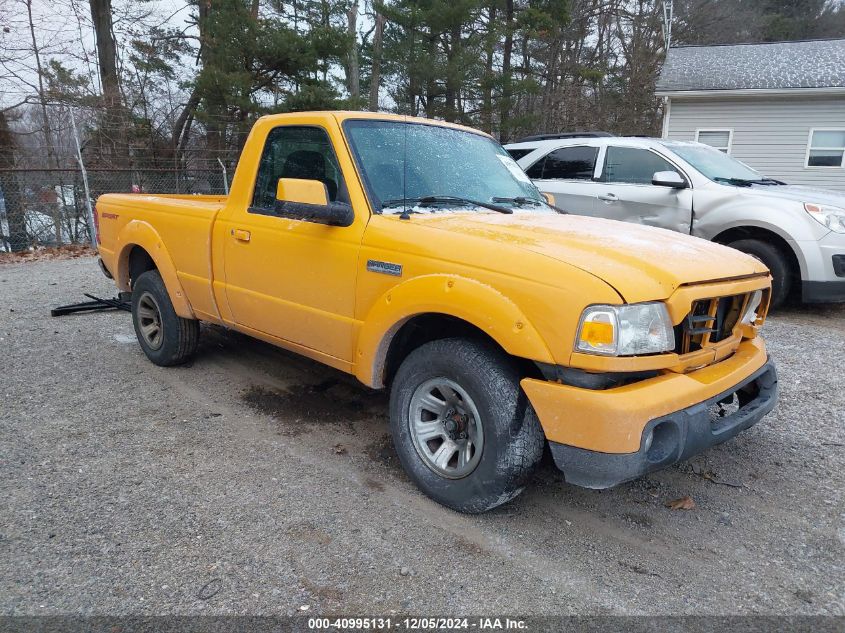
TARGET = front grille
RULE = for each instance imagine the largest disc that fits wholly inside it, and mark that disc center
(709, 321)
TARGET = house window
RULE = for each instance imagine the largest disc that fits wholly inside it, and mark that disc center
(826, 149)
(720, 139)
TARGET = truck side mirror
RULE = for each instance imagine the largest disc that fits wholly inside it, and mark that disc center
(549, 197)
(302, 191)
(308, 200)
(669, 179)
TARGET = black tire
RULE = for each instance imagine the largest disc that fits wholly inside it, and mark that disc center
(775, 261)
(513, 440)
(178, 337)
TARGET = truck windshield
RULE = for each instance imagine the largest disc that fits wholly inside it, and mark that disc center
(716, 165)
(431, 168)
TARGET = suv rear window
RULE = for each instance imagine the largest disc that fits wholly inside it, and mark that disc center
(566, 163)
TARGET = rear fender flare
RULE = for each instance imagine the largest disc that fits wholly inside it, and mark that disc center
(474, 302)
(139, 233)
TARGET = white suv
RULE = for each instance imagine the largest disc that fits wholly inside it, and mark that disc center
(798, 232)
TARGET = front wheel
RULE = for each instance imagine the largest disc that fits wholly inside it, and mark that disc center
(775, 261)
(464, 431)
(166, 338)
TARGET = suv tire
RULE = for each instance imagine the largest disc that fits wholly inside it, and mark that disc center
(166, 338)
(474, 387)
(775, 261)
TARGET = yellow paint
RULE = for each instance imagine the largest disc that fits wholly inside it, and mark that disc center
(522, 279)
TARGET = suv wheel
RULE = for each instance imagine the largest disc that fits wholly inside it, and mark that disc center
(464, 431)
(775, 261)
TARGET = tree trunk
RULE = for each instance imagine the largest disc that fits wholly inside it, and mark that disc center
(507, 89)
(56, 210)
(15, 212)
(453, 73)
(101, 13)
(375, 74)
(487, 87)
(353, 72)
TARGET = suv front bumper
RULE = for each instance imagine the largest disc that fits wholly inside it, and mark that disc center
(674, 437)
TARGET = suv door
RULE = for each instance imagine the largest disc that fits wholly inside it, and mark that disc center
(567, 173)
(627, 193)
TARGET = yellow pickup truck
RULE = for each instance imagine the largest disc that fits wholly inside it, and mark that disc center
(417, 256)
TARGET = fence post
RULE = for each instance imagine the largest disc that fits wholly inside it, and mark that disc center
(92, 232)
(225, 176)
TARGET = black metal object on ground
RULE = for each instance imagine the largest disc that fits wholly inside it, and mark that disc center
(95, 305)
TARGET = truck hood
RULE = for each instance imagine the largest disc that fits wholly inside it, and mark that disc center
(800, 194)
(641, 263)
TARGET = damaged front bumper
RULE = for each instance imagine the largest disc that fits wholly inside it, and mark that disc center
(675, 437)
(601, 437)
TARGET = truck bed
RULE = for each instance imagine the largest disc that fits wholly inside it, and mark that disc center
(183, 222)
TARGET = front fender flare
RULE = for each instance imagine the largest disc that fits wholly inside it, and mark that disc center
(139, 233)
(474, 302)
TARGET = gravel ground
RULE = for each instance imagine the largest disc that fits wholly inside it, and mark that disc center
(257, 482)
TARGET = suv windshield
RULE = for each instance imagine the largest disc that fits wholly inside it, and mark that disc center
(714, 164)
(432, 168)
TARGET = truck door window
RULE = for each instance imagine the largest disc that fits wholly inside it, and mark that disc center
(296, 152)
(569, 163)
(633, 166)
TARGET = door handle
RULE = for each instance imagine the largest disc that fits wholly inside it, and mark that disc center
(608, 197)
(242, 235)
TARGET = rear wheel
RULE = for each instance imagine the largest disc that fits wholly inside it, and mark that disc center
(775, 261)
(166, 338)
(464, 431)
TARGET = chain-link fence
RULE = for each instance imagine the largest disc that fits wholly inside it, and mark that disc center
(47, 207)
(57, 158)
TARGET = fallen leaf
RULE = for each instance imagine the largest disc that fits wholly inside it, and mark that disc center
(684, 503)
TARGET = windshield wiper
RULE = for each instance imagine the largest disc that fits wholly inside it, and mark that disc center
(745, 182)
(531, 201)
(430, 200)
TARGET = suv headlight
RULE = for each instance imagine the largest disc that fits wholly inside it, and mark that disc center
(827, 215)
(628, 330)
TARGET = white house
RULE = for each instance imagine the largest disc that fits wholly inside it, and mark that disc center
(778, 107)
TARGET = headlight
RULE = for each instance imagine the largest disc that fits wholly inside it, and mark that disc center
(629, 330)
(827, 215)
(749, 317)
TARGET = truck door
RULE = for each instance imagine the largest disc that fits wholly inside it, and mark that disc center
(293, 279)
(626, 192)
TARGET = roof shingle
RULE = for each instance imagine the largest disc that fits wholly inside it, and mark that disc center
(774, 66)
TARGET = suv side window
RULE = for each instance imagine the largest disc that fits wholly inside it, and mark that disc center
(516, 154)
(632, 165)
(296, 152)
(566, 163)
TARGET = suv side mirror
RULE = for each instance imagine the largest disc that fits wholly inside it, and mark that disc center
(308, 200)
(669, 179)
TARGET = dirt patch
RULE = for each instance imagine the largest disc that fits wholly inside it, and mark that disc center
(328, 402)
(382, 452)
(309, 533)
(68, 251)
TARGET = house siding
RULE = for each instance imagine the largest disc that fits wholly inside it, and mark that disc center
(769, 133)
